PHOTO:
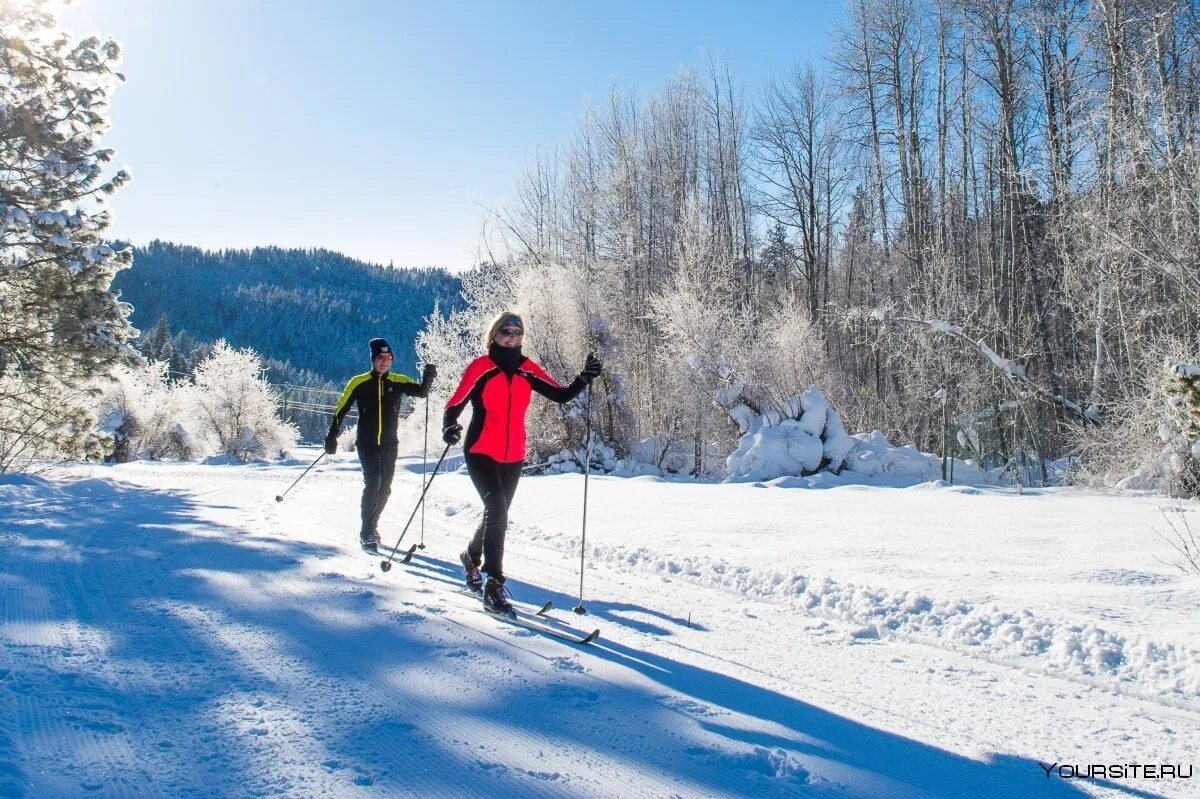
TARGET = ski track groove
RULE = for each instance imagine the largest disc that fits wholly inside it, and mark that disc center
(551, 563)
(265, 678)
(82, 732)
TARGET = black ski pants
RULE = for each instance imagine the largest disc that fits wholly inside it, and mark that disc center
(379, 466)
(497, 484)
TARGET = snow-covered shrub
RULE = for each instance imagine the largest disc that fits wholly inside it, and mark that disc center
(872, 455)
(806, 435)
(148, 416)
(1183, 539)
(787, 351)
(347, 438)
(238, 408)
(704, 343)
(673, 455)
(603, 458)
(799, 438)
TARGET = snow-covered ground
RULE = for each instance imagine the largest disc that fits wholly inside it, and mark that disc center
(170, 630)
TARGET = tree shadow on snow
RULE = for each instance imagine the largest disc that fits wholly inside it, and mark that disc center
(143, 628)
(96, 646)
(772, 743)
(893, 765)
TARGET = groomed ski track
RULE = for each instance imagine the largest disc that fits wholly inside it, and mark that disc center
(169, 630)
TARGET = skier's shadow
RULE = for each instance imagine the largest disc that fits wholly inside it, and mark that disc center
(823, 741)
(616, 612)
(623, 614)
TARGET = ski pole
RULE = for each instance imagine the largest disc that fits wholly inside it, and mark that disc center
(387, 564)
(424, 461)
(279, 497)
(587, 468)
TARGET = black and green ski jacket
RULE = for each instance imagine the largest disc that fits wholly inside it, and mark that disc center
(378, 399)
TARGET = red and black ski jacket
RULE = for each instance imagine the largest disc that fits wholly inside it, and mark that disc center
(498, 404)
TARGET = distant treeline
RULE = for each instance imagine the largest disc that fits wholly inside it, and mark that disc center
(314, 310)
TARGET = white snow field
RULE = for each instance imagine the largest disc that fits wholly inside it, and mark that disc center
(169, 630)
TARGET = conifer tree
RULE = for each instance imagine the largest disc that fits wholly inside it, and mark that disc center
(1183, 435)
(60, 324)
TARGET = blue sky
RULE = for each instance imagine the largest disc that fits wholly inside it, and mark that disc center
(382, 129)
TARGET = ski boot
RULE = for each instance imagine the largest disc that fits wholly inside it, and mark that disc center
(369, 539)
(495, 597)
(474, 577)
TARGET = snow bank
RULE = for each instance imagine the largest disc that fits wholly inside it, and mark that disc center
(35, 488)
(1162, 669)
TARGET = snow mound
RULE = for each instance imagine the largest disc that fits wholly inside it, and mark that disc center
(789, 446)
(31, 488)
(798, 439)
(21, 480)
(1164, 670)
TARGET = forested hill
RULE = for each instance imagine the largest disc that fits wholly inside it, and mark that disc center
(313, 309)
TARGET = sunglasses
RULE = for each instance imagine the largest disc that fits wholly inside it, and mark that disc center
(510, 331)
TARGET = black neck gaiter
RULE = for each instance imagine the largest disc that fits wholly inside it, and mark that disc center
(507, 358)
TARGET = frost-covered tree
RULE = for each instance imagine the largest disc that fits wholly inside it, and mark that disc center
(150, 416)
(60, 325)
(238, 407)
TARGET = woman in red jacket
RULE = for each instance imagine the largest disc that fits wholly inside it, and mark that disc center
(499, 386)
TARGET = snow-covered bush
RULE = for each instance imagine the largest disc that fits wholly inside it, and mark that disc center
(347, 438)
(664, 454)
(873, 455)
(1181, 430)
(787, 351)
(148, 416)
(238, 408)
(806, 435)
(229, 409)
(1183, 539)
(799, 438)
(602, 457)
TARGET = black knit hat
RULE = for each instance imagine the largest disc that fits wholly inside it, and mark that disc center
(379, 346)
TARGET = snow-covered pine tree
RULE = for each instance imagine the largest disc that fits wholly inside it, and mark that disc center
(156, 345)
(60, 325)
(1183, 437)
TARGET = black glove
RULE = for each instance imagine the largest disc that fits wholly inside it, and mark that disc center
(452, 434)
(592, 368)
(331, 444)
(428, 375)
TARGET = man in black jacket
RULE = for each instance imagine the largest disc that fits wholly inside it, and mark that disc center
(377, 394)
